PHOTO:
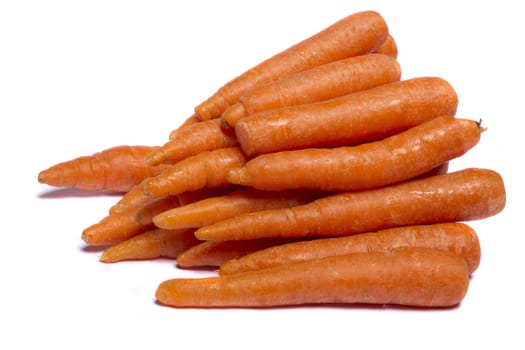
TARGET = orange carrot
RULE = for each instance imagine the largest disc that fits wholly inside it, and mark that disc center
(213, 209)
(316, 84)
(192, 119)
(353, 35)
(457, 238)
(389, 47)
(151, 244)
(468, 194)
(117, 168)
(361, 116)
(216, 253)
(204, 170)
(134, 198)
(191, 140)
(393, 159)
(406, 276)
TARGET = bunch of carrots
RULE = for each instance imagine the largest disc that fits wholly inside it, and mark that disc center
(317, 176)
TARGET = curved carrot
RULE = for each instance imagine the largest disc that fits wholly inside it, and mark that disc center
(216, 253)
(353, 35)
(388, 47)
(456, 238)
(193, 139)
(316, 84)
(468, 194)
(117, 168)
(361, 116)
(405, 276)
(393, 159)
(213, 209)
(206, 169)
(151, 244)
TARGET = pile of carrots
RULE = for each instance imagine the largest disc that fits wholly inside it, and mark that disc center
(317, 176)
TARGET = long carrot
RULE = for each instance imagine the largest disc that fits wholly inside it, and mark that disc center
(468, 194)
(316, 84)
(388, 47)
(204, 170)
(393, 159)
(354, 118)
(356, 34)
(151, 244)
(213, 209)
(117, 168)
(216, 253)
(191, 140)
(405, 276)
(457, 238)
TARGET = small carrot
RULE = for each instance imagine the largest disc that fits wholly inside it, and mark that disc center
(213, 209)
(404, 276)
(389, 47)
(368, 165)
(358, 117)
(468, 194)
(204, 170)
(216, 253)
(356, 34)
(316, 84)
(117, 168)
(151, 244)
(193, 139)
(134, 198)
(457, 238)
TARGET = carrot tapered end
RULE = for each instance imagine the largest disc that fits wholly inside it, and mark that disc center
(236, 176)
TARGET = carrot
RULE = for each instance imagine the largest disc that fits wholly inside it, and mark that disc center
(389, 47)
(393, 159)
(204, 170)
(354, 118)
(316, 84)
(114, 228)
(457, 238)
(117, 168)
(151, 244)
(353, 35)
(191, 140)
(405, 276)
(213, 209)
(216, 253)
(468, 194)
(134, 198)
(192, 119)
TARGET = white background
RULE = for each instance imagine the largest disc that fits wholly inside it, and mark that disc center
(77, 77)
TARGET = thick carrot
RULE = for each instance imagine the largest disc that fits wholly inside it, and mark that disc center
(204, 170)
(244, 200)
(389, 47)
(117, 168)
(191, 140)
(216, 253)
(405, 276)
(368, 165)
(457, 238)
(353, 35)
(468, 194)
(151, 244)
(316, 84)
(354, 118)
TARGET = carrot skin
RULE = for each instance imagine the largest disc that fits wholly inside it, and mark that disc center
(216, 253)
(191, 140)
(117, 169)
(389, 47)
(415, 277)
(211, 210)
(395, 158)
(456, 238)
(354, 35)
(204, 170)
(358, 117)
(319, 83)
(151, 244)
(464, 195)
(133, 199)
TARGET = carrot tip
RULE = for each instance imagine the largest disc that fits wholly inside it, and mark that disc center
(156, 157)
(236, 176)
